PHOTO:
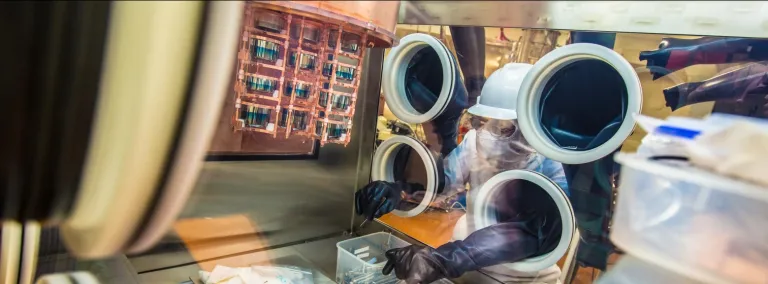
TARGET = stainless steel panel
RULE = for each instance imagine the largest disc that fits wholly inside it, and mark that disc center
(283, 202)
(717, 18)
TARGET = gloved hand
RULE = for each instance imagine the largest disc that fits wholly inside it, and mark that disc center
(377, 198)
(496, 244)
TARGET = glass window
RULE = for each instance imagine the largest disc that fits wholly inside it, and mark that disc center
(300, 120)
(333, 36)
(265, 50)
(260, 84)
(327, 69)
(303, 90)
(283, 118)
(318, 127)
(340, 102)
(345, 73)
(311, 33)
(288, 89)
(261, 117)
(271, 22)
(336, 130)
(292, 59)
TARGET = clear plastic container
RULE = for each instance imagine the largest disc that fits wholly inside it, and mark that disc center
(632, 270)
(360, 260)
(700, 224)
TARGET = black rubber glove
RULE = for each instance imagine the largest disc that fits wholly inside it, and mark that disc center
(500, 243)
(377, 198)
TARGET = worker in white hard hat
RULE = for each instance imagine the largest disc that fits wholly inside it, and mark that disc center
(493, 146)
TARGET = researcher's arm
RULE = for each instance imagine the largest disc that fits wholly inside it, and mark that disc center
(496, 244)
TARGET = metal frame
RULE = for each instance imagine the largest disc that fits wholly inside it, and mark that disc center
(713, 18)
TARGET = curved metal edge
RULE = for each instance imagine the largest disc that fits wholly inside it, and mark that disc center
(394, 88)
(30, 248)
(543, 70)
(482, 217)
(217, 61)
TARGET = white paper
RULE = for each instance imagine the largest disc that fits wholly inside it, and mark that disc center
(221, 273)
(362, 250)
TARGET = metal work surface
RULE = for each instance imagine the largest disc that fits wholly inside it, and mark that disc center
(715, 18)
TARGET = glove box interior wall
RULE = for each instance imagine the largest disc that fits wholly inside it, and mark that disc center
(434, 227)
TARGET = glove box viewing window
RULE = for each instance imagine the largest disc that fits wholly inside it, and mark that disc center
(501, 196)
(576, 104)
(402, 159)
(421, 79)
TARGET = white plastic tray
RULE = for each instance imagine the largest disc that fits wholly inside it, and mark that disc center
(700, 224)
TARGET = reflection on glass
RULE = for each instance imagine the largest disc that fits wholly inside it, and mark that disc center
(333, 37)
(266, 50)
(254, 116)
(424, 79)
(743, 84)
(323, 99)
(260, 84)
(261, 117)
(335, 131)
(345, 73)
(410, 173)
(295, 31)
(350, 42)
(522, 200)
(311, 33)
(327, 69)
(282, 121)
(299, 120)
(288, 89)
(303, 90)
(318, 127)
(341, 102)
(292, 59)
(576, 121)
(271, 22)
(676, 54)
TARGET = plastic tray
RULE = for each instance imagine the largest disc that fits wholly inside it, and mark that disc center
(350, 264)
(697, 223)
(632, 270)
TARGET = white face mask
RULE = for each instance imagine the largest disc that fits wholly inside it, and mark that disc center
(502, 152)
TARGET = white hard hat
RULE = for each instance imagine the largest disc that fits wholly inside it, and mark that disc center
(498, 99)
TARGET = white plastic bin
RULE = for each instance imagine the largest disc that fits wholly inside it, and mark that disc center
(700, 224)
(356, 257)
(632, 270)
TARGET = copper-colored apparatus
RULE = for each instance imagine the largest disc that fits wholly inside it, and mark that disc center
(300, 62)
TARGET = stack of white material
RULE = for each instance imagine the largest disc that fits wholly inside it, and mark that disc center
(255, 275)
(698, 221)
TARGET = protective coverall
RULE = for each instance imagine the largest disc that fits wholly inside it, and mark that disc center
(530, 225)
